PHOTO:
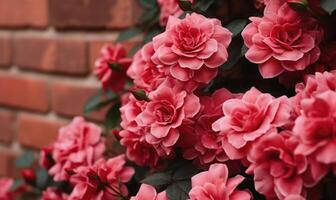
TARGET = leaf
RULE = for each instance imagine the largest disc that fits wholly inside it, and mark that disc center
(299, 6)
(157, 179)
(17, 184)
(99, 101)
(328, 5)
(113, 116)
(204, 5)
(128, 34)
(42, 178)
(26, 160)
(179, 190)
(236, 26)
(148, 3)
(185, 172)
(235, 54)
(140, 95)
(185, 5)
(149, 36)
(149, 16)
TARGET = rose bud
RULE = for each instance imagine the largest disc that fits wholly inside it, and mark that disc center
(29, 176)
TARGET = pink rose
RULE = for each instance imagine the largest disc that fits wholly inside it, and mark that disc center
(169, 105)
(277, 171)
(247, 119)
(112, 77)
(5, 189)
(143, 71)
(282, 40)
(103, 181)
(53, 194)
(215, 185)
(147, 192)
(78, 144)
(192, 49)
(208, 147)
(169, 8)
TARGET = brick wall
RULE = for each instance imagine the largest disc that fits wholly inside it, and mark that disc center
(47, 50)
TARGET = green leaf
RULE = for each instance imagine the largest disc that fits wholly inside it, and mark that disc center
(329, 5)
(157, 179)
(204, 4)
(179, 190)
(149, 36)
(42, 178)
(235, 54)
(115, 67)
(26, 160)
(236, 26)
(113, 116)
(149, 16)
(185, 5)
(17, 184)
(148, 3)
(99, 101)
(128, 34)
(140, 95)
(185, 172)
(299, 6)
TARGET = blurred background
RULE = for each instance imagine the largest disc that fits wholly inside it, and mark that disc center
(47, 53)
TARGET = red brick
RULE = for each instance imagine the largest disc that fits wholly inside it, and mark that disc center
(23, 13)
(51, 55)
(93, 14)
(95, 47)
(36, 131)
(7, 160)
(6, 127)
(23, 92)
(5, 51)
(69, 99)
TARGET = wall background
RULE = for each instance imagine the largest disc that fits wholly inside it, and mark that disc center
(47, 51)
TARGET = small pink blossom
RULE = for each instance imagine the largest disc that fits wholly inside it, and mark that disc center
(192, 49)
(110, 78)
(169, 8)
(78, 144)
(5, 189)
(282, 40)
(215, 185)
(247, 119)
(148, 192)
(53, 194)
(103, 181)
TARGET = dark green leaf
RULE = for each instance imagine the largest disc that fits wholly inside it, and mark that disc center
(149, 36)
(149, 16)
(99, 101)
(204, 4)
(113, 116)
(128, 34)
(299, 6)
(236, 26)
(42, 178)
(115, 67)
(148, 3)
(328, 5)
(235, 54)
(140, 95)
(185, 5)
(26, 160)
(157, 179)
(185, 172)
(179, 190)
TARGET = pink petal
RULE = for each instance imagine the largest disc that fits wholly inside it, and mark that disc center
(270, 68)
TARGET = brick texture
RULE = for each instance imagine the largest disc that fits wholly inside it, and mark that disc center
(36, 131)
(6, 127)
(5, 51)
(51, 55)
(23, 92)
(7, 160)
(23, 13)
(93, 14)
(69, 99)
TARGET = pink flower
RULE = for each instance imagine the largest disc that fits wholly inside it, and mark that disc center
(148, 192)
(294, 197)
(53, 194)
(143, 71)
(102, 181)
(208, 147)
(169, 8)
(112, 77)
(78, 144)
(192, 49)
(277, 171)
(5, 189)
(215, 185)
(247, 119)
(169, 105)
(282, 40)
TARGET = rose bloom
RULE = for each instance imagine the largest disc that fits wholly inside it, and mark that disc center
(169, 8)
(247, 119)
(103, 181)
(5, 191)
(277, 171)
(282, 40)
(208, 147)
(143, 71)
(78, 144)
(214, 184)
(147, 192)
(114, 79)
(53, 194)
(169, 105)
(192, 49)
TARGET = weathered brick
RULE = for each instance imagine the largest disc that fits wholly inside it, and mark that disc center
(5, 51)
(69, 99)
(7, 160)
(96, 45)
(23, 13)
(6, 126)
(24, 92)
(51, 55)
(36, 131)
(93, 14)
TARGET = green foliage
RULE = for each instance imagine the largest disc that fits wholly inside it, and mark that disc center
(147, 4)
(128, 34)
(112, 118)
(42, 178)
(299, 6)
(236, 26)
(26, 160)
(140, 95)
(157, 179)
(328, 5)
(99, 101)
(179, 190)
